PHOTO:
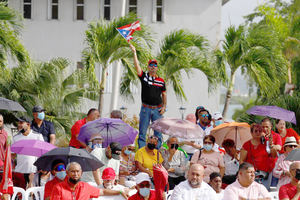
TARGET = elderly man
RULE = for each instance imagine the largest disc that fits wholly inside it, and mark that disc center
(292, 189)
(245, 187)
(194, 187)
(110, 157)
(147, 156)
(3, 141)
(25, 163)
(58, 170)
(42, 126)
(92, 115)
(116, 114)
(73, 188)
(174, 161)
(109, 180)
(154, 98)
(143, 185)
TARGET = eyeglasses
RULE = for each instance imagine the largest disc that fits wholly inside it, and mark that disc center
(60, 168)
(153, 137)
(152, 65)
(204, 115)
(292, 146)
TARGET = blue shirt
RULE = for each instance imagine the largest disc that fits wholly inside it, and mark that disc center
(46, 129)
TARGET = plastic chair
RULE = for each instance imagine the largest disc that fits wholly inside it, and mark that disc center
(169, 194)
(274, 195)
(18, 190)
(38, 193)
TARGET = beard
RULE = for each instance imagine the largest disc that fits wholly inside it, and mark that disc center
(73, 181)
(194, 183)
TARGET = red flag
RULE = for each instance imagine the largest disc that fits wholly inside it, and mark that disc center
(127, 30)
(6, 185)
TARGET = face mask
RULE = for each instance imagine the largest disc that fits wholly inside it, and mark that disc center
(108, 185)
(94, 146)
(24, 129)
(207, 147)
(127, 152)
(41, 116)
(61, 175)
(151, 146)
(218, 122)
(73, 181)
(144, 192)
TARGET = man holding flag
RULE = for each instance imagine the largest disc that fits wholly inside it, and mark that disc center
(154, 98)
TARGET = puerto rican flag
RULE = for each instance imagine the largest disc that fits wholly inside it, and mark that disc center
(127, 30)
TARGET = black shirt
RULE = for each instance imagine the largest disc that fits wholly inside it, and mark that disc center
(152, 89)
(45, 129)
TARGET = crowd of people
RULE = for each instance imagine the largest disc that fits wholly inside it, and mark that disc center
(197, 168)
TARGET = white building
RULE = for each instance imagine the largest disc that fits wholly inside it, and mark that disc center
(55, 28)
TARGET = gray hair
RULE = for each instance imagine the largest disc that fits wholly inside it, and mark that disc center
(171, 137)
(116, 114)
(71, 164)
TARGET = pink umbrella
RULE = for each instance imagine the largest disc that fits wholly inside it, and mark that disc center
(178, 127)
(31, 147)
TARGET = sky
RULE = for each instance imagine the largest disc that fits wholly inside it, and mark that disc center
(234, 10)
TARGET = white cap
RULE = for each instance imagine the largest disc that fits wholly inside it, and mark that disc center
(217, 115)
(141, 177)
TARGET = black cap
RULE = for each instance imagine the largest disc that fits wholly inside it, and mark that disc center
(116, 148)
(24, 119)
(38, 109)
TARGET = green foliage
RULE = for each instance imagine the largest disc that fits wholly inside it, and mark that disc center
(51, 85)
(10, 45)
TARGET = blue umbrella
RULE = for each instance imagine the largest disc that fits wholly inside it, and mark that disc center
(274, 112)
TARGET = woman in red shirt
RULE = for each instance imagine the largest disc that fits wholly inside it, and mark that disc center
(254, 152)
(284, 132)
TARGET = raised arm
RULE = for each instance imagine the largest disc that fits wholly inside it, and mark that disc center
(136, 61)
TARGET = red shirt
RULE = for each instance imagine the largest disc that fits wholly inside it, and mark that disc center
(74, 133)
(137, 196)
(3, 139)
(83, 191)
(49, 186)
(289, 133)
(259, 157)
(287, 191)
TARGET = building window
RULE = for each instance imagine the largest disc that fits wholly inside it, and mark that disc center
(80, 9)
(54, 9)
(159, 10)
(107, 9)
(27, 9)
(133, 6)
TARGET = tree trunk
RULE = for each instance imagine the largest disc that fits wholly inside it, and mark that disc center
(228, 94)
(289, 73)
(102, 87)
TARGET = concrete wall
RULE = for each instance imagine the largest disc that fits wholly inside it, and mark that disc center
(46, 39)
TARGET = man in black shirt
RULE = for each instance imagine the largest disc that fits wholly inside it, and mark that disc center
(154, 98)
(40, 125)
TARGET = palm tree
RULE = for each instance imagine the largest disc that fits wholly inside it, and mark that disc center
(180, 51)
(105, 46)
(255, 51)
(48, 85)
(10, 45)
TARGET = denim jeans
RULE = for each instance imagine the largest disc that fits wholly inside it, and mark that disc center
(146, 115)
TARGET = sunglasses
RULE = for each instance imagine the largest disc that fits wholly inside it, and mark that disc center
(199, 107)
(174, 146)
(153, 137)
(292, 146)
(204, 115)
(144, 185)
(60, 168)
(152, 65)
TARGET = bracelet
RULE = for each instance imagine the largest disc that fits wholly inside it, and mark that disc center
(121, 192)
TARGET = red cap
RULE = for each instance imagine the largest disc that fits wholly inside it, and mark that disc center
(152, 61)
(108, 174)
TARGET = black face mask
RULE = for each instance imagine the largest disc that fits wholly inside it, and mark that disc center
(151, 146)
(23, 130)
(73, 181)
(174, 146)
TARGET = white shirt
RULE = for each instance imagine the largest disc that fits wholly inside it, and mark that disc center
(220, 195)
(231, 165)
(184, 191)
(188, 148)
(24, 162)
(100, 154)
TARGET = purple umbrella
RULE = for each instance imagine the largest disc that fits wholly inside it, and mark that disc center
(111, 130)
(274, 112)
(31, 147)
